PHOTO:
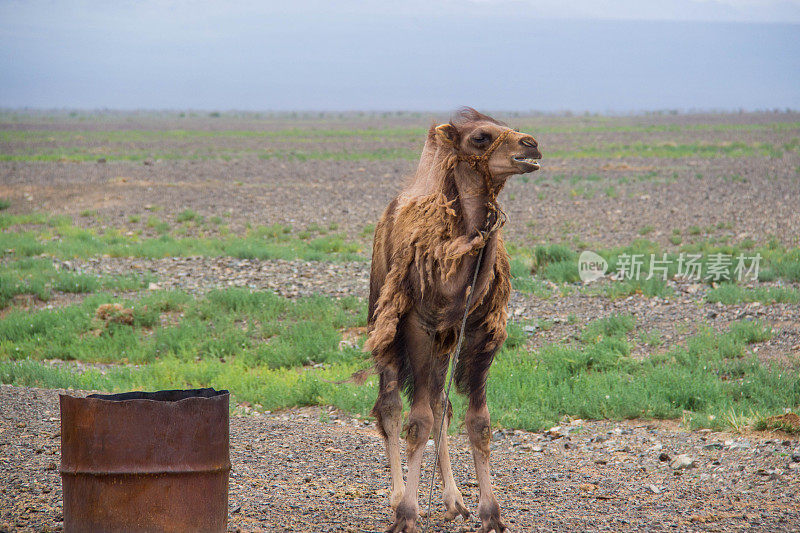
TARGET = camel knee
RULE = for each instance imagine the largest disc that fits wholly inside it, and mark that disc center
(418, 428)
(388, 408)
(388, 413)
(479, 429)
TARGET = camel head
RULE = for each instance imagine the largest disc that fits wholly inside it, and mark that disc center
(473, 134)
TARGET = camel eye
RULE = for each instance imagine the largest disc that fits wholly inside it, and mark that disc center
(481, 138)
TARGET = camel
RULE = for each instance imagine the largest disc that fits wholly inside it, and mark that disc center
(424, 259)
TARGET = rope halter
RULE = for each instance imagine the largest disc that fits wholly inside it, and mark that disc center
(481, 165)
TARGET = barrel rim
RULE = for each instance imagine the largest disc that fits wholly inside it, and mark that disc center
(162, 396)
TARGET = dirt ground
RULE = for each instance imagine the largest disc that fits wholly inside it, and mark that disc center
(317, 470)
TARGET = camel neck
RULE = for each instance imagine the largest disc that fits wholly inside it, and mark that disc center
(472, 197)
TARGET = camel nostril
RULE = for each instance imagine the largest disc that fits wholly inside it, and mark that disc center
(529, 142)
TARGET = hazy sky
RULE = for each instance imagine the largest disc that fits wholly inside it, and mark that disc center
(550, 55)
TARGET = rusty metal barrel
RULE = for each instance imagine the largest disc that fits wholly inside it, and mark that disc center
(146, 461)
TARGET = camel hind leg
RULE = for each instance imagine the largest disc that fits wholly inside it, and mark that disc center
(388, 411)
(418, 350)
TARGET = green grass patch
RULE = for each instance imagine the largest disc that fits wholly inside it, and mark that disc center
(713, 374)
(278, 353)
(368, 231)
(729, 294)
(268, 350)
(39, 278)
(260, 328)
(157, 224)
(523, 281)
(39, 234)
(611, 326)
(261, 386)
(555, 262)
(187, 215)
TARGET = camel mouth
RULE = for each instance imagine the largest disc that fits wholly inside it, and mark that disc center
(525, 164)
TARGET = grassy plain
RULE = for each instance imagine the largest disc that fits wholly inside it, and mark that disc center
(310, 189)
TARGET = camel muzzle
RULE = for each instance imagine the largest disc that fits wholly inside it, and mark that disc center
(526, 164)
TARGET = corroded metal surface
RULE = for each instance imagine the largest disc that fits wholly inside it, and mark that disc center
(145, 461)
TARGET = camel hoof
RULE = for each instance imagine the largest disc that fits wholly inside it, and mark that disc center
(493, 524)
(457, 509)
(489, 513)
(403, 525)
(405, 520)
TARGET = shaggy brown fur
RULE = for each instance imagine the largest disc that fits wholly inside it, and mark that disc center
(424, 254)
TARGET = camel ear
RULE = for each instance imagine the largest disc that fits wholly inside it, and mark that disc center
(447, 132)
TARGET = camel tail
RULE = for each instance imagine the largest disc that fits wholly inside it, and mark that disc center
(357, 378)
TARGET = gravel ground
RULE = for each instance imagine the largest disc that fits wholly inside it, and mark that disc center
(200, 274)
(318, 470)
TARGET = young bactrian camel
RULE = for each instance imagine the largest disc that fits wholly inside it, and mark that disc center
(426, 248)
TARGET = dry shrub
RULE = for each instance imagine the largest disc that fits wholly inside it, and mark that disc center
(114, 314)
(788, 422)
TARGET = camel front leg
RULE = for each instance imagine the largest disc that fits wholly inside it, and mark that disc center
(480, 434)
(420, 422)
(453, 501)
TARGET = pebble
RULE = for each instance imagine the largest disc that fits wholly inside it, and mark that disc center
(653, 489)
(771, 473)
(682, 461)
